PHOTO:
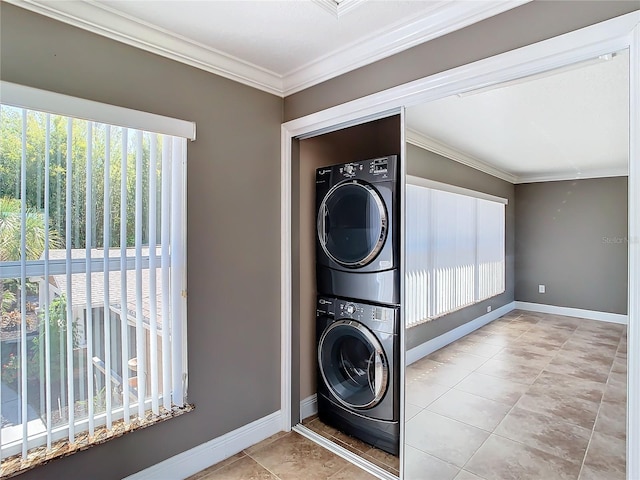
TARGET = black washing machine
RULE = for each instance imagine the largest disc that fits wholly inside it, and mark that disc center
(358, 370)
(357, 249)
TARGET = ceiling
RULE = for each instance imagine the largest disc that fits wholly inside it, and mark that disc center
(565, 124)
(573, 124)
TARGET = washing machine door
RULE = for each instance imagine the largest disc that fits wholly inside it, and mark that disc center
(352, 223)
(353, 364)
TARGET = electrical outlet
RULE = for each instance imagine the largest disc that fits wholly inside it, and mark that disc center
(541, 289)
(488, 308)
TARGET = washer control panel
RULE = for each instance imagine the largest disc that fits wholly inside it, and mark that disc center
(376, 317)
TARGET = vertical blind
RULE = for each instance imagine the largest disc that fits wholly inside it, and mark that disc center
(92, 279)
(455, 250)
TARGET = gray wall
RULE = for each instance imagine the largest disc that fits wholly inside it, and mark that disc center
(529, 23)
(432, 166)
(233, 227)
(571, 237)
(370, 140)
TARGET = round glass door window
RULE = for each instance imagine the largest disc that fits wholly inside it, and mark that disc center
(352, 224)
(353, 364)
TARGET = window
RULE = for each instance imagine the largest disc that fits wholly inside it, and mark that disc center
(454, 249)
(92, 259)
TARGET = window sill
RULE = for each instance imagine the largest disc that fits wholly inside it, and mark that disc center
(16, 465)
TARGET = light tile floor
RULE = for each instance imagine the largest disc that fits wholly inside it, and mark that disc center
(529, 396)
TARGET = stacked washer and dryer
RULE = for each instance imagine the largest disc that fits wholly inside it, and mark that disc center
(358, 284)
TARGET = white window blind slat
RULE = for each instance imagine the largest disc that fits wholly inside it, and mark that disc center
(153, 298)
(124, 311)
(69, 299)
(23, 281)
(47, 326)
(177, 245)
(106, 229)
(88, 245)
(165, 238)
(140, 358)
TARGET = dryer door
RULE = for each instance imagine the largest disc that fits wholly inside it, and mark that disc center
(353, 364)
(352, 223)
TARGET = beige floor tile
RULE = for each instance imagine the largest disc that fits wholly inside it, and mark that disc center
(619, 365)
(422, 466)
(207, 471)
(574, 410)
(423, 393)
(561, 321)
(445, 375)
(515, 372)
(615, 392)
(612, 420)
(493, 388)
(622, 346)
(264, 442)
(590, 350)
(607, 456)
(351, 472)
(523, 357)
(447, 439)
(559, 384)
(548, 433)
(501, 339)
(411, 410)
(589, 473)
(470, 409)
(617, 378)
(383, 459)
(479, 349)
(292, 454)
(246, 468)
(567, 364)
(503, 459)
(458, 358)
(549, 337)
(464, 475)
(604, 339)
(535, 345)
(418, 370)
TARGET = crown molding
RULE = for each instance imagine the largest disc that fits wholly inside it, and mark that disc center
(563, 176)
(423, 141)
(102, 20)
(427, 143)
(443, 18)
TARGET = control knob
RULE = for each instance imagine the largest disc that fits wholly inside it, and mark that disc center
(350, 308)
(349, 169)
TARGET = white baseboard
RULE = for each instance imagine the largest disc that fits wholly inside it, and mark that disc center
(416, 353)
(309, 406)
(574, 312)
(203, 456)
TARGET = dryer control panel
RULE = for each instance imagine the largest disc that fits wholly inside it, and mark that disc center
(375, 317)
(382, 169)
